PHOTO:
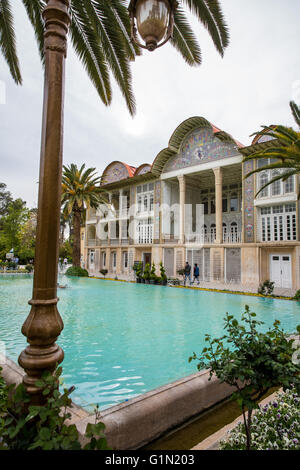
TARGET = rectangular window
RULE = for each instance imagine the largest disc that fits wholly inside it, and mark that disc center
(212, 206)
(125, 259)
(224, 205)
(289, 185)
(234, 204)
(290, 207)
(278, 223)
(276, 188)
(277, 209)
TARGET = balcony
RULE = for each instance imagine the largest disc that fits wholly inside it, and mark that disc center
(210, 238)
(91, 242)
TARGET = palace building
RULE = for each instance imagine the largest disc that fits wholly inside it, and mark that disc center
(194, 204)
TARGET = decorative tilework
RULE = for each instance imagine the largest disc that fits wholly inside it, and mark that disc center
(264, 138)
(116, 172)
(249, 203)
(143, 170)
(201, 146)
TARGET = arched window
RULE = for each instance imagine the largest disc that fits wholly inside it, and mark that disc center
(233, 228)
(224, 230)
(263, 179)
(213, 231)
(276, 186)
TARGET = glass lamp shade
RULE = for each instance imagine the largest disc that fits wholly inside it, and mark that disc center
(152, 18)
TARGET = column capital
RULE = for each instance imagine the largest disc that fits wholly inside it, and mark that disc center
(218, 175)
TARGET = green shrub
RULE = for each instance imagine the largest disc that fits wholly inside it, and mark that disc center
(29, 268)
(43, 427)
(260, 361)
(103, 272)
(139, 270)
(297, 295)
(77, 271)
(153, 276)
(163, 273)
(266, 288)
(146, 275)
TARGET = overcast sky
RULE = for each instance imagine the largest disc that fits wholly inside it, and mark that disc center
(252, 85)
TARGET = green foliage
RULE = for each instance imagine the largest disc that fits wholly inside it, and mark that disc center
(29, 268)
(283, 149)
(25, 427)
(65, 250)
(101, 37)
(266, 288)
(162, 273)
(77, 271)
(276, 426)
(251, 361)
(139, 270)
(297, 295)
(5, 199)
(80, 190)
(153, 276)
(146, 275)
(11, 225)
(103, 272)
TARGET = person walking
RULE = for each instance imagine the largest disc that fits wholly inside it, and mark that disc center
(187, 272)
(196, 273)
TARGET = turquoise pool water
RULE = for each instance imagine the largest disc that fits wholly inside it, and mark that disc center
(122, 339)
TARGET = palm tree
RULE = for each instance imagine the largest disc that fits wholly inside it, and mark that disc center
(100, 35)
(80, 190)
(283, 149)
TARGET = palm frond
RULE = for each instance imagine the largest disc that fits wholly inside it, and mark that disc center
(208, 12)
(88, 49)
(184, 39)
(34, 9)
(296, 112)
(8, 40)
(111, 38)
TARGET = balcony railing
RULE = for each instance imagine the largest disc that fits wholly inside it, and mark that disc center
(210, 238)
(235, 237)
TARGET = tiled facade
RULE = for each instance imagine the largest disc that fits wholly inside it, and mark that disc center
(193, 203)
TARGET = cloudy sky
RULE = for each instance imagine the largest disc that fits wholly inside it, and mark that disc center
(252, 85)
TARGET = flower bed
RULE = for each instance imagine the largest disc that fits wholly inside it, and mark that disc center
(276, 426)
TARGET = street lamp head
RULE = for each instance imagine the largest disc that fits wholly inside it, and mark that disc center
(153, 20)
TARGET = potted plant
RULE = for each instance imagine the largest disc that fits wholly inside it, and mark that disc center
(103, 272)
(138, 268)
(153, 276)
(147, 273)
(163, 275)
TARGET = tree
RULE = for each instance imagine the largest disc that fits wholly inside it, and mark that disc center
(17, 215)
(284, 148)
(27, 237)
(5, 199)
(100, 35)
(251, 361)
(80, 189)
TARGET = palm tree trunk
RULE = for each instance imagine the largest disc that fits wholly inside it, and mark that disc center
(76, 237)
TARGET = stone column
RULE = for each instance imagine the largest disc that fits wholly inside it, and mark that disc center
(182, 186)
(218, 192)
(44, 324)
(120, 214)
(109, 222)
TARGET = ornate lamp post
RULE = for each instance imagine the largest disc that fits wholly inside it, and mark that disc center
(43, 326)
(44, 323)
(155, 21)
